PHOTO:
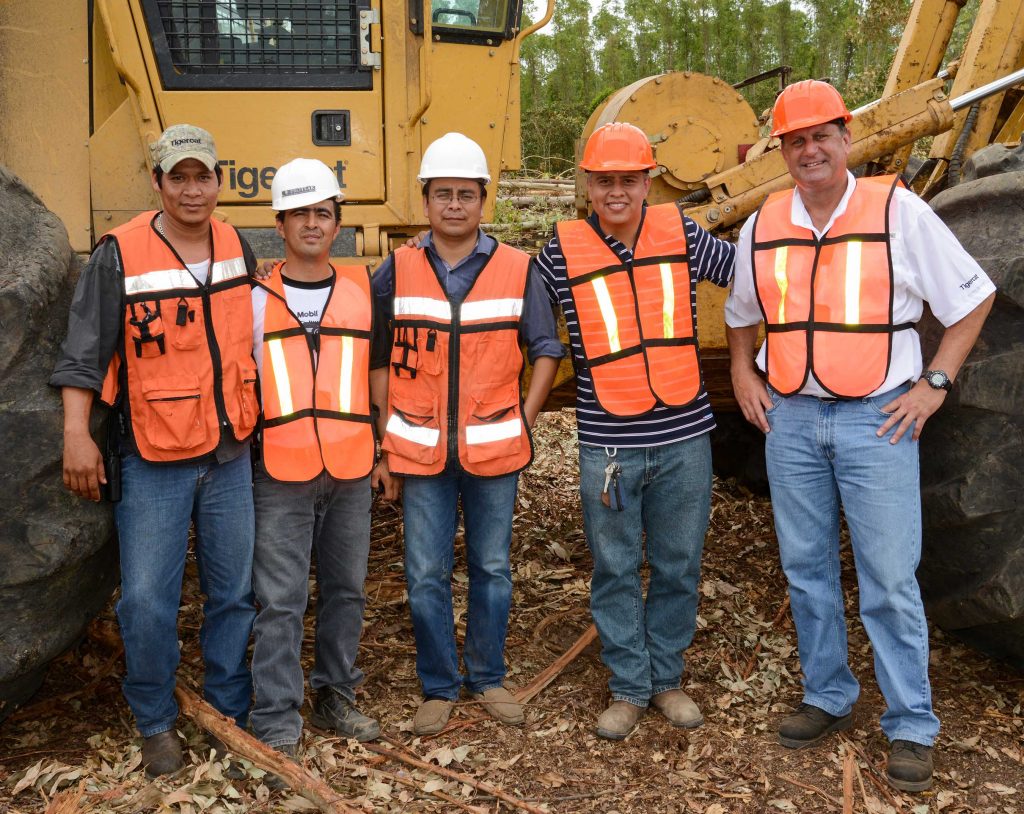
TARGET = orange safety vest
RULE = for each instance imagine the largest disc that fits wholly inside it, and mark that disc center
(827, 304)
(316, 405)
(185, 363)
(635, 319)
(453, 392)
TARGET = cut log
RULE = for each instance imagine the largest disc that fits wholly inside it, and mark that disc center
(551, 672)
(241, 743)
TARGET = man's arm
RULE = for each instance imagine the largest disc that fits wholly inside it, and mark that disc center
(94, 325)
(917, 405)
(544, 370)
(83, 461)
(538, 330)
(713, 259)
(750, 389)
(381, 477)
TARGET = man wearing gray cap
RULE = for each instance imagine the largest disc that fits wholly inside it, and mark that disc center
(161, 329)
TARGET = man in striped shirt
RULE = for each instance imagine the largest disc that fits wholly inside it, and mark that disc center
(626, 278)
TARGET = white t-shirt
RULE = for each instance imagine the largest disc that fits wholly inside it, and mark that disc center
(306, 300)
(200, 270)
(929, 265)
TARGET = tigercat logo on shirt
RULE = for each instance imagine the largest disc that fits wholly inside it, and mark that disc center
(969, 283)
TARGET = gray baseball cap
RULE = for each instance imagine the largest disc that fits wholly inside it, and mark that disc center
(181, 141)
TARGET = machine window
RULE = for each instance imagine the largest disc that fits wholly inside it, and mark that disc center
(258, 43)
(471, 16)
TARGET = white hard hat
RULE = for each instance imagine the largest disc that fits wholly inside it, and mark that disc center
(302, 182)
(454, 156)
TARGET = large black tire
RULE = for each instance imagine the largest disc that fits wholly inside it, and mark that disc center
(58, 554)
(972, 450)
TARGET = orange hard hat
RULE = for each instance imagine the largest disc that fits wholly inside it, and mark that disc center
(805, 104)
(617, 147)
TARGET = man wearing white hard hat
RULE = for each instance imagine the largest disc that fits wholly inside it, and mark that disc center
(457, 427)
(315, 338)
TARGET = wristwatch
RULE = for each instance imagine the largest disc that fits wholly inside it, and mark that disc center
(938, 380)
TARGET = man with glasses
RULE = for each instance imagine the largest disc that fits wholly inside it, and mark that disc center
(456, 427)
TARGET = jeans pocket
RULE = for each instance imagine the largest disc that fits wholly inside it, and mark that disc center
(876, 403)
(776, 401)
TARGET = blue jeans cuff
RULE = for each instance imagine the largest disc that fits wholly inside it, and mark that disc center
(156, 729)
(831, 709)
(636, 702)
(480, 690)
(281, 742)
(666, 688)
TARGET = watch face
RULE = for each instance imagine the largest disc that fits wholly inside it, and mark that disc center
(935, 379)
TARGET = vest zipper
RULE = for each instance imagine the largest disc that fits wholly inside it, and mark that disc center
(218, 373)
(453, 387)
(211, 337)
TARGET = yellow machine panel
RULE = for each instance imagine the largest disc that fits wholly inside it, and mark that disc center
(44, 96)
(363, 85)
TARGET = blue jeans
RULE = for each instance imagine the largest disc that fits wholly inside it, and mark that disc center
(667, 496)
(822, 455)
(430, 507)
(292, 520)
(157, 505)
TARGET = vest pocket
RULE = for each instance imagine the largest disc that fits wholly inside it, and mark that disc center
(173, 417)
(248, 404)
(494, 428)
(413, 431)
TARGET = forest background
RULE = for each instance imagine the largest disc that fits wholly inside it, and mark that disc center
(588, 52)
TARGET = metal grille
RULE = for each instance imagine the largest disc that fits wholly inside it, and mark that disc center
(261, 37)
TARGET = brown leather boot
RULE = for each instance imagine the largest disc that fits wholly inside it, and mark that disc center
(618, 720)
(161, 753)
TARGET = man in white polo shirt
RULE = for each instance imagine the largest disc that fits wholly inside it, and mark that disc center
(839, 270)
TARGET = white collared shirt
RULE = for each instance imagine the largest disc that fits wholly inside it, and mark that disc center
(929, 265)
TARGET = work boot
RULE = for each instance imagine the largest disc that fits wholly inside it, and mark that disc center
(809, 725)
(219, 752)
(275, 782)
(910, 766)
(501, 705)
(679, 708)
(432, 716)
(161, 753)
(616, 722)
(332, 710)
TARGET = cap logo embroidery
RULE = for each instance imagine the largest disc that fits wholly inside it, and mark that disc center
(298, 191)
(179, 141)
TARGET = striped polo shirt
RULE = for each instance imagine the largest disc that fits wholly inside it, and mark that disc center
(710, 259)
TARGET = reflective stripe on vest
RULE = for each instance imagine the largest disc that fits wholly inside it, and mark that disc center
(636, 321)
(827, 304)
(186, 365)
(316, 414)
(469, 351)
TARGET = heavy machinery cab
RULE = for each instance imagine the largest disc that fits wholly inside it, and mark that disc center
(363, 85)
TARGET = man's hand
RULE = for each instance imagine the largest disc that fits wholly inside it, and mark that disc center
(752, 396)
(381, 478)
(912, 409)
(414, 242)
(83, 466)
(265, 269)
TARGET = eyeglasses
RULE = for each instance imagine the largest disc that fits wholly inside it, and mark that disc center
(445, 196)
